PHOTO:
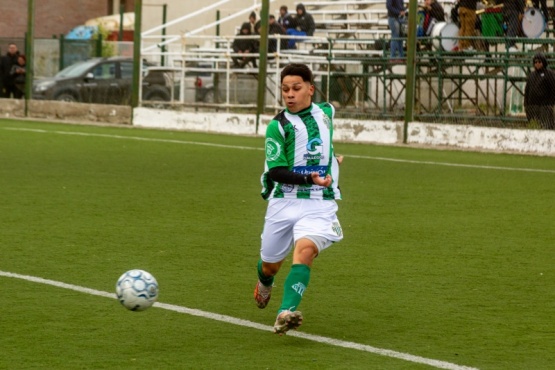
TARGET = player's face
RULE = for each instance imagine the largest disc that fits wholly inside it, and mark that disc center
(296, 93)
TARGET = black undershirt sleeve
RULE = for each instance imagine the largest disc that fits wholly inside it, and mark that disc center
(284, 176)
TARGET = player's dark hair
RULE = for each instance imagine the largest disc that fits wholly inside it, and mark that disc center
(297, 69)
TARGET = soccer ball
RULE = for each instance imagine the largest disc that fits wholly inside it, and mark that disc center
(137, 290)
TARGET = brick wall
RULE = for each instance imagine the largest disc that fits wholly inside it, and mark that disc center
(52, 17)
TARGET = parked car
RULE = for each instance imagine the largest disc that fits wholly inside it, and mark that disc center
(102, 81)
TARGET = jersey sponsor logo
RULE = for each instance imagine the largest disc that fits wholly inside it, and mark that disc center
(307, 170)
(314, 146)
(273, 149)
(314, 149)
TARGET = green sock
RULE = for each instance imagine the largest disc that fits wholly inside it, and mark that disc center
(295, 285)
(265, 280)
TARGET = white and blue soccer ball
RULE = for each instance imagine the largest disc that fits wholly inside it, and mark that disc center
(137, 290)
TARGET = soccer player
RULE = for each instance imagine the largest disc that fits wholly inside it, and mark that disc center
(300, 182)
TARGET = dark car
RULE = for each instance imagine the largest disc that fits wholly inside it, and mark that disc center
(101, 81)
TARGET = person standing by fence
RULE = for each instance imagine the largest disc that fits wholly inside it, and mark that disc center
(539, 99)
(17, 73)
(6, 64)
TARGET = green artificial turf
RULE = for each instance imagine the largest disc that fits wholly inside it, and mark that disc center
(447, 255)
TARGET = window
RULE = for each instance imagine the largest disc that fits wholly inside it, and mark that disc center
(126, 70)
(105, 71)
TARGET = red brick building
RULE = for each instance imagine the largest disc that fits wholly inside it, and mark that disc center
(54, 17)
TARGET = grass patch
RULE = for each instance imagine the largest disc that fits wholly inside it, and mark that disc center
(445, 262)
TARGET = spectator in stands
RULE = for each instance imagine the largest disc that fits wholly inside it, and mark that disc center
(242, 45)
(6, 64)
(284, 19)
(274, 28)
(304, 25)
(305, 21)
(395, 9)
(467, 20)
(18, 75)
(539, 100)
(512, 13)
(252, 22)
(434, 14)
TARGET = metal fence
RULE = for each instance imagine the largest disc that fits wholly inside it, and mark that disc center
(484, 87)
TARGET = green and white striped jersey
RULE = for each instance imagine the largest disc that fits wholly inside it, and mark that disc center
(302, 142)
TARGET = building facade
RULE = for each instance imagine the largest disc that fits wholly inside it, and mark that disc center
(53, 17)
(56, 17)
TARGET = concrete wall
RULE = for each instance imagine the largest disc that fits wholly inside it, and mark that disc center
(537, 142)
(68, 112)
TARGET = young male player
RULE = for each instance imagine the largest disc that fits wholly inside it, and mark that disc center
(300, 182)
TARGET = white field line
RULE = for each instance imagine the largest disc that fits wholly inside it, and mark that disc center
(139, 138)
(235, 321)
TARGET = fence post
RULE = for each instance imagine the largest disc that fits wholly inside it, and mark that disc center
(164, 21)
(411, 69)
(99, 45)
(137, 60)
(120, 33)
(262, 66)
(30, 70)
(62, 52)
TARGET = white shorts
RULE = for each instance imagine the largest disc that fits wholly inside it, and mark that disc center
(288, 220)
